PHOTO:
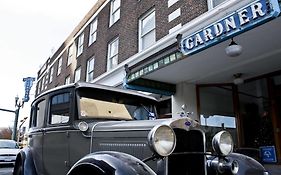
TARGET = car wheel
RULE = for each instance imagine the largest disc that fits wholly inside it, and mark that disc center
(18, 170)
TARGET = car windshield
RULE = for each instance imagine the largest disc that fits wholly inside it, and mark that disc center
(112, 105)
(8, 144)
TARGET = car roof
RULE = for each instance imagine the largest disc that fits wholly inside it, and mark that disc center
(96, 86)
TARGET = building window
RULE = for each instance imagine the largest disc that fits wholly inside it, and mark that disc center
(70, 54)
(93, 32)
(112, 60)
(39, 87)
(80, 44)
(147, 32)
(77, 74)
(114, 11)
(213, 3)
(51, 75)
(67, 80)
(46, 80)
(90, 70)
(42, 84)
(59, 65)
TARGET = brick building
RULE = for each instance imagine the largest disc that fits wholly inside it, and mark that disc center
(91, 39)
(175, 49)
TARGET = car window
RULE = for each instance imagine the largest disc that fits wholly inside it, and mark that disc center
(38, 112)
(105, 105)
(8, 144)
(59, 113)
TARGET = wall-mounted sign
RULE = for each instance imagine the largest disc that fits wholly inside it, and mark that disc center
(27, 86)
(268, 154)
(246, 18)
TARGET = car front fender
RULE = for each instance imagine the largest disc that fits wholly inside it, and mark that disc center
(248, 165)
(24, 161)
(110, 163)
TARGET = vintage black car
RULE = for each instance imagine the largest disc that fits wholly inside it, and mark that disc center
(83, 128)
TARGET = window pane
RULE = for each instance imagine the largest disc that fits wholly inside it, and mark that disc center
(60, 110)
(70, 54)
(77, 75)
(148, 23)
(93, 31)
(217, 2)
(40, 114)
(116, 16)
(114, 62)
(115, 5)
(148, 40)
(113, 54)
(80, 44)
(90, 69)
(114, 48)
(216, 111)
(67, 80)
(256, 114)
(59, 66)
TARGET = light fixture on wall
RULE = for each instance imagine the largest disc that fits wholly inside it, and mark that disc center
(238, 79)
(233, 49)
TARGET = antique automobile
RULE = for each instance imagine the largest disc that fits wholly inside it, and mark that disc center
(84, 128)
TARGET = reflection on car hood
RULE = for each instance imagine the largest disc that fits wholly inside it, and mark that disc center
(9, 151)
(184, 123)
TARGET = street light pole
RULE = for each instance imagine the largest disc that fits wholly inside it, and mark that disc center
(18, 105)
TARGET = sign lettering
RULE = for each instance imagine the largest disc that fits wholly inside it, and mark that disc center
(254, 14)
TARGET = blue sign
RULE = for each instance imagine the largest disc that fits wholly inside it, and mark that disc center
(27, 85)
(268, 154)
(244, 19)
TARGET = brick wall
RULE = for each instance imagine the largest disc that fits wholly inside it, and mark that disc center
(127, 31)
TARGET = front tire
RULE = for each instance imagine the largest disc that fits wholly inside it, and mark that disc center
(18, 169)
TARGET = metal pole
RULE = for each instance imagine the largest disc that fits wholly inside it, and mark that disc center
(16, 123)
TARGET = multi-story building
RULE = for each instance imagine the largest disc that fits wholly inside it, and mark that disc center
(184, 51)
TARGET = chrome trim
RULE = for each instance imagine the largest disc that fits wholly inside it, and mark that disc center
(124, 144)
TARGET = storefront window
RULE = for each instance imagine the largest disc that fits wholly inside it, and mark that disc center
(216, 111)
(255, 114)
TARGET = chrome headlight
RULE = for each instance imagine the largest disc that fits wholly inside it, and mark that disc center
(162, 140)
(222, 143)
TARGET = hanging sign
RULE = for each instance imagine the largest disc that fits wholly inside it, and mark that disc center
(246, 18)
(27, 85)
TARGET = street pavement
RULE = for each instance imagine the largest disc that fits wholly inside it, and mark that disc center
(6, 170)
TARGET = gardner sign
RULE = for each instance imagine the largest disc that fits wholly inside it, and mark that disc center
(246, 18)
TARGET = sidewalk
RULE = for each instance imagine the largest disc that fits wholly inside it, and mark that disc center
(273, 169)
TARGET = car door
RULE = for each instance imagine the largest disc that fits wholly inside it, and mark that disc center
(55, 152)
(38, 112)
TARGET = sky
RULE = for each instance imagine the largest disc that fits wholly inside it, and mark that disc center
(29, 31)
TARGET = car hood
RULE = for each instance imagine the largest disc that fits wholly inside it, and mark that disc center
(9, 151)
(184, 123)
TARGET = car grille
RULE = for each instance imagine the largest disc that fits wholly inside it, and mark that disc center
(7, 155)
(188, 157)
